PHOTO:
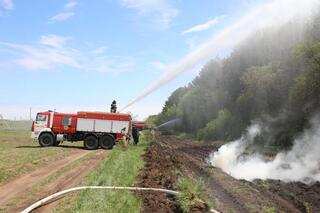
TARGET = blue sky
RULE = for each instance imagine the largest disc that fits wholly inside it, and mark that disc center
(80, 54)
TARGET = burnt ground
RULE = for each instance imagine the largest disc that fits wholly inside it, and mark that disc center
(304, 197)
(159, 172)
(169, 158)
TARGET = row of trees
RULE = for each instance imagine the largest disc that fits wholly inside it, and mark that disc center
(273, 77)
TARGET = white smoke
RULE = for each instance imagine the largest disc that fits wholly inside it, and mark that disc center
(301, 163)
(271, 13)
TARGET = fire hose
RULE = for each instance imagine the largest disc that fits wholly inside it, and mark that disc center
(67, 191)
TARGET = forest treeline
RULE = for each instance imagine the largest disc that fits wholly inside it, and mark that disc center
(273, 77)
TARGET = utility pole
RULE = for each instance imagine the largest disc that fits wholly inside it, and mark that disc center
(30, 118)
(4, 122)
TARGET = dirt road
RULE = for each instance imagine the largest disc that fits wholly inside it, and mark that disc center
(169, 154)
(58, 175)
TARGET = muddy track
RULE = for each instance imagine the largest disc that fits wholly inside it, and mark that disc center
(159, 172)
(71, 178)
(195, 157)
(19, 193)
(227, 193)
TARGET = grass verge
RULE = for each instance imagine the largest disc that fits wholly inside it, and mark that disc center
(120, 168)
(192, 196)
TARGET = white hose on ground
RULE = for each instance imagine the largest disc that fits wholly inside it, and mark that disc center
(67, 191)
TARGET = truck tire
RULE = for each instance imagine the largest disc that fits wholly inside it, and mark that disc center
(106, 141)
(91, 142)
(46, 139)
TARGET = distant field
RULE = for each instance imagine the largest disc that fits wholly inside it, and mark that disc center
(15, 125)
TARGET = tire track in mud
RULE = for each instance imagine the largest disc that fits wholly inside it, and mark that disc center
(163, 158)
(17, 189)
(158, 172)
(69, 179)
(194, 164)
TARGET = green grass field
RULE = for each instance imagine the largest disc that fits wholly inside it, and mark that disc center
(19, 154)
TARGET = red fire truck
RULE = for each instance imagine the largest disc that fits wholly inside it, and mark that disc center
(96, 129)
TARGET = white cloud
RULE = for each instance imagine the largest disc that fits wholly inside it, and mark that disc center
(52, 52)
(42, 57)
(66, 13)
(6, 4)
(62, 16)
(53, 40)
(108, 64)
(160, 12)
(71, 4)
(204, 26)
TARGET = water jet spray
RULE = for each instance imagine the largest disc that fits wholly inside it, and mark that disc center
(271, 13)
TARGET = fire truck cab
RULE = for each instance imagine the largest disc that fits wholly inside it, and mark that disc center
(96, 129)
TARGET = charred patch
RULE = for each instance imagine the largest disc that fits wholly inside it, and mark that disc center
(160, 171)
(304, 197)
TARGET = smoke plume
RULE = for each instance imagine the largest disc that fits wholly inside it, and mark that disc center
(301, 163)
(271, 13)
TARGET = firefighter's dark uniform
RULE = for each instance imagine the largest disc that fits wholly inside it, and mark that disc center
(135, 135)
(113, 107)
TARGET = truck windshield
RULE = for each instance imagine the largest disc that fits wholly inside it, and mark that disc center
(41, 117)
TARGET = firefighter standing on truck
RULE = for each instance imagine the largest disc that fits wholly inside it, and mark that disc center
(113, 108)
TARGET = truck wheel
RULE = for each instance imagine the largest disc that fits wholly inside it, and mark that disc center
(46, 139)
(91, 142)
(106, 141)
